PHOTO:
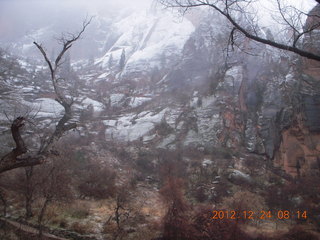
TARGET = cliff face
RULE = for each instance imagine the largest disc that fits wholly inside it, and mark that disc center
(312, 43)
(210, 101)
(184, 91)
(265, 103)
(300, 143)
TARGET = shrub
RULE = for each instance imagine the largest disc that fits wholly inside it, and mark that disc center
(79, 210)
(297, 233)
(98, 182)
(205, 228)
(82, 227)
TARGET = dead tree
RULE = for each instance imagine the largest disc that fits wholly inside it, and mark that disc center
(290, 17)
(19, 156)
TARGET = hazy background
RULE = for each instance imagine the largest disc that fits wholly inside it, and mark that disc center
(22, 22)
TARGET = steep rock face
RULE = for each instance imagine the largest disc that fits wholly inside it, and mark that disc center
(300, 142)
(312, 43)
(214, 104)
(192, 115)
(146, 45)
(299, 148)
(299, 151)
(311, 105)
(252, 101)
(266, 107)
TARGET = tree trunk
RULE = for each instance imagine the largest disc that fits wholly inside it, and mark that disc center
(4, 202)
(29, 213)
(117, 216)
(29, 192)
(40, 218)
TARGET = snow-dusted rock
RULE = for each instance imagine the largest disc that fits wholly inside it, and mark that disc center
(132, 127)
(97, 106)
(167, 142)
(116, 99)
(239, 177)
(47, 107)
(148, 43)
(206, 162)
(137, 101)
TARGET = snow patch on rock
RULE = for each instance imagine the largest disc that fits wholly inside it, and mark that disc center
(167, 142)
(132, 127)
(116, 99)
(97, 106)
(46, 107)
(137, 101)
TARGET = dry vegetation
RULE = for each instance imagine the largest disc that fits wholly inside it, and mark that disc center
(171, 199)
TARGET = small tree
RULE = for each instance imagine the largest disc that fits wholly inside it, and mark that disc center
(124, 210)
(122, 61)
(175, 222)
(110, 62)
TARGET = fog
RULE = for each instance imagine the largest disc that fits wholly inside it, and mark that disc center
(22, 22)
(18, 17)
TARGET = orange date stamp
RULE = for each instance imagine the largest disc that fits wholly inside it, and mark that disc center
(258, 215)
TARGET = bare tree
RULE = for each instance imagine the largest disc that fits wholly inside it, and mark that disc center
(243, 18)
(124, 209)
(19, 156)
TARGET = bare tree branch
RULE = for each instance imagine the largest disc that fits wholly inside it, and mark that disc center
(11, 160)
(66, 45)
(310, 29)
(223, 7)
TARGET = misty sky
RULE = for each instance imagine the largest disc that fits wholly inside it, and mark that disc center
(19, 12)
(17, 17)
